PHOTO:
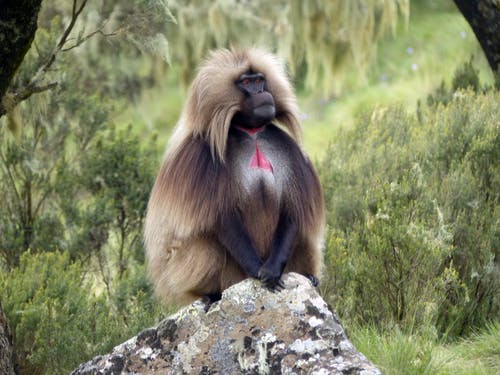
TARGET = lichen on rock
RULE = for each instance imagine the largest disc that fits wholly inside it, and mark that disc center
(250, 330)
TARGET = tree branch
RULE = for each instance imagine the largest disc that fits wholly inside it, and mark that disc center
(34, 86)
(88, 36)
(76, 11)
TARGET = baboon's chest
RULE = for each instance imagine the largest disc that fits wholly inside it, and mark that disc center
(259, 168)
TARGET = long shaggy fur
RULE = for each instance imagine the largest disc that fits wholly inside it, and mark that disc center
(194, 187)
(213, 99)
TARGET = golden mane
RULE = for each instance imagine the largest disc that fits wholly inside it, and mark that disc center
(204, 113)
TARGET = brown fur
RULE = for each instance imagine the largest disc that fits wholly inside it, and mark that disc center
(195, 188)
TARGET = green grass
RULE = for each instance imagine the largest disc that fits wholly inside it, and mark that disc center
(394, 352)
(478, 354)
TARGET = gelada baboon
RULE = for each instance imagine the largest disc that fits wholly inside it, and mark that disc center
(236, 196)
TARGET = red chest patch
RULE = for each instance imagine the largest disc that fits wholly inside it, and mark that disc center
(258, 160)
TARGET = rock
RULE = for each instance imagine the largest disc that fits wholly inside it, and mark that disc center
(6, 351)
(250, 330)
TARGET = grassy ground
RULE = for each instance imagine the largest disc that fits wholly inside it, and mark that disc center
(399, 354)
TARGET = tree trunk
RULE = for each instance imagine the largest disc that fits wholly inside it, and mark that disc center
(484, 19)
(6, 351)
(18, 24)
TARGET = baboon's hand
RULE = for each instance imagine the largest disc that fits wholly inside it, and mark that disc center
(272, 280)
(314, 280)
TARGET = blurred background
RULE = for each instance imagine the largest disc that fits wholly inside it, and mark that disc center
(400, 113)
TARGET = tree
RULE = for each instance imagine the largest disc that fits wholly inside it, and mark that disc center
(41, 171)
(18, 24)
(484, 19)
(320, 40)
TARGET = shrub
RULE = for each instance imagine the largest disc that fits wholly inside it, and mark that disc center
(116, 178)
(58, 321)
(413, 216)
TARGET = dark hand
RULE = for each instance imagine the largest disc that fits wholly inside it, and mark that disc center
(272, 280)
(314, 280)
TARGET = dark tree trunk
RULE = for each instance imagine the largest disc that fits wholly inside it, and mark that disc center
(6, 351)
(484, 19)
(18, 24)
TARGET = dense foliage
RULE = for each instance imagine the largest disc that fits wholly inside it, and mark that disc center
(414, 216)
(59, 322)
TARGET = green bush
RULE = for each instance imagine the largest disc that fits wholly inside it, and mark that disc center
(58, 321)
(72, 275)
(413, 216)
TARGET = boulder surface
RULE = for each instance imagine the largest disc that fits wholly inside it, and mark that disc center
(251, 330)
